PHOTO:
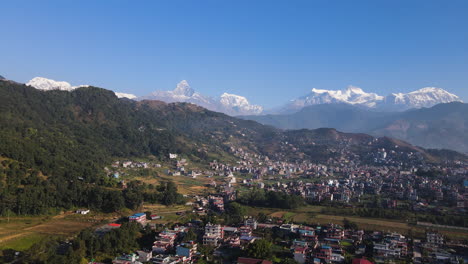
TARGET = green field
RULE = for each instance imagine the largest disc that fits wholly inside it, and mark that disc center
(19, 233)
(311, 215)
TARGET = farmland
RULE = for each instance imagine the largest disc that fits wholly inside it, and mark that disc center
(19, 233)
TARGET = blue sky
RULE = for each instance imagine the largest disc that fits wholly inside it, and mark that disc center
(269, 51)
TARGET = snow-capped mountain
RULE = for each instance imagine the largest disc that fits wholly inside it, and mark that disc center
(125, 95)
(230, 104)
(45, 84)
(351, 95)
(240, 104)
(48, 84)
(425, 97)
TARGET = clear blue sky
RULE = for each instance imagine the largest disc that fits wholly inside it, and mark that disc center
(269, 51)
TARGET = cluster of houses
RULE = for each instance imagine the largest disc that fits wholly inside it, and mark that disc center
(309, 244)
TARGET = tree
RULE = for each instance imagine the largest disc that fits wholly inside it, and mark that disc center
(190, 235)
(260, 249)
(349, 225)
(235, 213)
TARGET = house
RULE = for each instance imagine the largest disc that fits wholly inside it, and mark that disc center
(300, 254)
(252, 223)
(434, 238)
(106, 228)
(126, 259)
(82, 211)
(165, 259)
(154, 217)
(144, 256)
(187, 250)
(361, 261)
(245, 231)
(139, 218)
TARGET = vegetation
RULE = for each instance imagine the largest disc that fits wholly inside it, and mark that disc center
(260, 249)
(262, 198)
(88, 245)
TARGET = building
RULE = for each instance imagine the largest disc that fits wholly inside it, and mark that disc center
(251, 222)
(213, 233)
(144, 256)
(126, 259)
(434, 238)
(139, 218)
(187, 250)
(82, 211)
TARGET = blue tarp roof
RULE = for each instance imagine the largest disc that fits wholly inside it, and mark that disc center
(138, 214)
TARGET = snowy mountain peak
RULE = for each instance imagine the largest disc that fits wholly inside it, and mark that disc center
(2, 78)
(354, 89)
(183, 88)
(42, 83)
(425, 97)
(45, 84)
(125, 95)
(230, 104)
(240, 103)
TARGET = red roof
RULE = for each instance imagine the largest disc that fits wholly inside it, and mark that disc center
(114, 224)
(241, 260)
(361, 261)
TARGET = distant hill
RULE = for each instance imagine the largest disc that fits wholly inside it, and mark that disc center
(440, 126)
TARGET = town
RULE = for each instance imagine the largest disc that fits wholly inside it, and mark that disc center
(393, 185)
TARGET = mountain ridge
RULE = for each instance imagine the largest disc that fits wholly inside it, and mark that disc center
(440, 126)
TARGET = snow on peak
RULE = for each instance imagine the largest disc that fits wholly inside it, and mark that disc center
(240, 103)
(230, 104)
(42, 83)
(45, 84)
(425, 97)
(183, 88)
(125, 95)
(350, 95)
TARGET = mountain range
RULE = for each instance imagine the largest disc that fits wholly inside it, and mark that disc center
(235, 105)
(350, 110)
(91, 125)
(230, 104)
(425, 97)
(440, 126)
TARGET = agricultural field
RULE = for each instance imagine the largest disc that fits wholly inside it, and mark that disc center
(19, 233)
(311, 215)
